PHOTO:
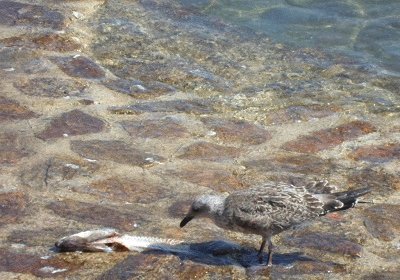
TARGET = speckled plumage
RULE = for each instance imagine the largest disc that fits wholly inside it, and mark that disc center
(271, 208)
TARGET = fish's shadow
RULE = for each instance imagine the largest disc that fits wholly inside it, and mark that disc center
(220, 253)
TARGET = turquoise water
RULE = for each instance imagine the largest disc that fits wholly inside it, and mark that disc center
(366, 30)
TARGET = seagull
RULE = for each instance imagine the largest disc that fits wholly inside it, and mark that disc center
(271, 208)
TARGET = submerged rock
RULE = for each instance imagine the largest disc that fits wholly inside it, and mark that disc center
(329, 138)
(13, 148)
(117, 151)
(12, 207)
(377, 153)
(216, 178)
(11, 110)
(16, 13)
(50, 87)
(383, 221)
(202, 150)
(72, 123)
(237, 131)
(156, 128)
(33, 264)
(192, 106)
(96, 214)
(325, 242)
(80, 67)
(132, 190)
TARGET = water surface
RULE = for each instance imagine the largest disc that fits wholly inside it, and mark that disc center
(368, 31)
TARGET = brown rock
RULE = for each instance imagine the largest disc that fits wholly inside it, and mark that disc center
(56, 42)
(145, 265)
(237, 131)
(49, 42)
(50, 87)
(383, 221)
(38, 237)
(138, 89)
(218, 179)
(72, 123)
(194, 106)
(57, 172)
(12, 149)
(383, 275)
(305, 164)
(310, 267)
(329, 138)
(325, 242)
(96, 214)
(130, 190)
(12, 110)
(208, 151)
(158, 128)
(300, 113)
(179, 208)
(379, 180)
(12, 207)
(32, 264)
(377, 153)
(117, 151)
(80, 67)
(16, 13)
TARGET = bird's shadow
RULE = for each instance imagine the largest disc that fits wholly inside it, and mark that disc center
(220, 253)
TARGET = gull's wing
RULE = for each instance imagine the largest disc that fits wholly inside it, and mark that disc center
(272, 207)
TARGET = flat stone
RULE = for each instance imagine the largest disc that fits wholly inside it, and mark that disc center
(382, 275)
(12, 149)
(50, 87)
(48, 42)
(156, 128)
(12, 110)
(218, 179)
(57, 172)
(237, 131)
(179, 208)
(117, 151)
(80, 67)
(325, 242)
(304, 164)
(296, 113)
(32, 264)
(133, 190)
(139, 89)
(377, 153)
(72, 123)
(193, 106)
(329, 138)
(12, 207)
(143, 265)
(16, 13)
(38, 237)
(202, 150)
(310, 267)
(379, 180)
(383, 221)
(95, 214)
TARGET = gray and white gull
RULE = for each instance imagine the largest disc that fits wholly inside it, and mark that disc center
(271, 208)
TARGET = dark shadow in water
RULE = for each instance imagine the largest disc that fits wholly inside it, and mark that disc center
(224, 253)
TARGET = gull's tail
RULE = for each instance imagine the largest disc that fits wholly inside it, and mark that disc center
(341, 200)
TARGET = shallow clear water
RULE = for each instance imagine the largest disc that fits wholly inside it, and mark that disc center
(367, 30)
(117, 113)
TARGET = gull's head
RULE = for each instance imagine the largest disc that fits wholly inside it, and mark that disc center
(204, 206)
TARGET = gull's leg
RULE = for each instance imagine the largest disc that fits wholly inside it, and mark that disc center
(260, 252)
(270, 247)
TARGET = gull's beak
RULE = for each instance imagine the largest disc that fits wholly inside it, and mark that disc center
(185, 220)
